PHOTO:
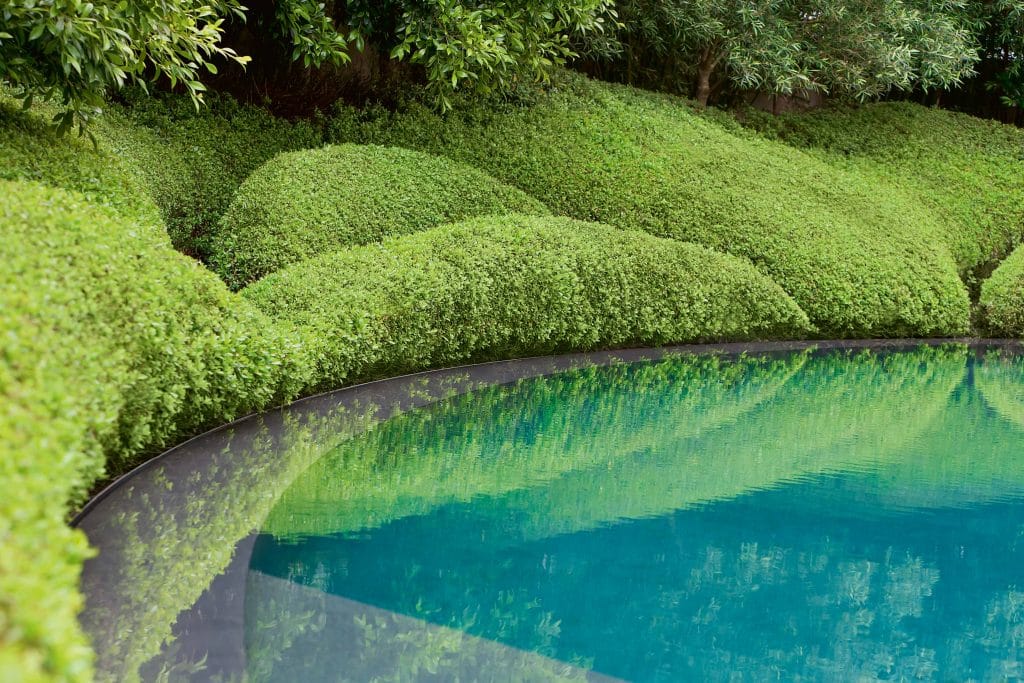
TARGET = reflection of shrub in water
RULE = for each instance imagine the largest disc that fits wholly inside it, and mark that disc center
(839, 410)
(507, 438)
(1000, 379)
(182, 534)
(350, 641)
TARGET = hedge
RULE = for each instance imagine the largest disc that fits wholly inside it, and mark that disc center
(305, 203)
(969, 171)
(158, 158)
(498, 287)
(31, 150)
(1002, 298)
(859, 258)
(114, 345)
(191, 162)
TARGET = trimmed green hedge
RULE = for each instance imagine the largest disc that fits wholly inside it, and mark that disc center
(311, 202)
(859, 258)
(191, 162)
(1002, 298)
(969, 171)
(158, 159)
(31, 150)
(497, 287)
(114, 344)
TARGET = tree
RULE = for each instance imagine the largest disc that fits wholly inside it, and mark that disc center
(76, 49)
(491, 46)
(999, 25)
(848, 48)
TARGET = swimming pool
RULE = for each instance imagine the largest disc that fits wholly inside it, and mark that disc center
(838, 511)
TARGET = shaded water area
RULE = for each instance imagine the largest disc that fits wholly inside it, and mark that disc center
(825, 513)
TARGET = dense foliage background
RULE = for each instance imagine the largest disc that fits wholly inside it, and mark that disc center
(301, 54)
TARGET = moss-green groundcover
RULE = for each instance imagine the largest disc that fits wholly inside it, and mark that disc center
(116, 344)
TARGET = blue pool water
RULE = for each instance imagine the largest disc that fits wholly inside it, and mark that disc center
(828, 515)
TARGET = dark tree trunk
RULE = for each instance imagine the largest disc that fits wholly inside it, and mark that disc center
(705, 68)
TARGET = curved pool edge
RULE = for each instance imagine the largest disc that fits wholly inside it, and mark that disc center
(225, 477)
(591, 357)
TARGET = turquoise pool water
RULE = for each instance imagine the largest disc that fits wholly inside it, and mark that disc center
(825, 515)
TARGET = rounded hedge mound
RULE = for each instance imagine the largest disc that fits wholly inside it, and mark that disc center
(113, 344)
(498, 287)
(859, 258)
(969, 171)
(1002, 298)
(192, 162)
(31, 150)
(306, 203)
(158, 160)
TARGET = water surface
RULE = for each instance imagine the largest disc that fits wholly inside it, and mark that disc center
(817, 514)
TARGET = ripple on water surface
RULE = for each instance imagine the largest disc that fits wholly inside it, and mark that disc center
(829, 514)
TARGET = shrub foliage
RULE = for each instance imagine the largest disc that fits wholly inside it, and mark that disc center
(114, 344)
(315, 201)
(970, 172)
(498, 287)
(1002, 298)
(156, 158)
(860, 259)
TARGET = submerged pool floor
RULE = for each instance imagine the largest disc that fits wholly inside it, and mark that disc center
(830, 514)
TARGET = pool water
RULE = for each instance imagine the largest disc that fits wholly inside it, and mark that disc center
(838, 514)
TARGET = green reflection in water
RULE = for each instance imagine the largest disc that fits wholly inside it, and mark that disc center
(628, 441)
(512, 437)
(858, 516)
(565, 455)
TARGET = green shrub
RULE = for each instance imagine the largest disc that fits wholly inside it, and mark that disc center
(114, 344)
(31, 150)
(498, 287)
(1002, 298)
(191, 162)
(311, 202)
(860, 259)
(158, 158)
(969, 171)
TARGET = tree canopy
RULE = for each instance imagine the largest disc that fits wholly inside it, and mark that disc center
(851, 48)
(76, 50)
